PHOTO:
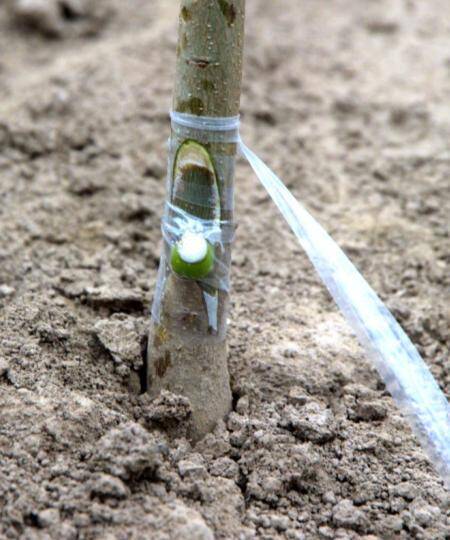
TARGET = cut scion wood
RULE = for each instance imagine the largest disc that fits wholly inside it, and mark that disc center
(195, 188)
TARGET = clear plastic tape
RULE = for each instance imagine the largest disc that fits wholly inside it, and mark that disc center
(405, 374)
(217, 232)
(206, 129)
(176, 222)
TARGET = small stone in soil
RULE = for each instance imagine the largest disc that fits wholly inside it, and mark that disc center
(297, 396)
(6, 290)
(48, 518)
(313, 422)
(346, 515)
(225, 467)
(105, 485)
(242, 405)
(191, 469)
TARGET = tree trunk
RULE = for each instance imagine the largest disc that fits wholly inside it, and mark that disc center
(187, 351)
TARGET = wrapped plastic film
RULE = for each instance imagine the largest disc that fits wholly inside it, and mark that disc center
(200, 203)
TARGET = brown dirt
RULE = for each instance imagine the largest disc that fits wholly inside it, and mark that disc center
(348, 101)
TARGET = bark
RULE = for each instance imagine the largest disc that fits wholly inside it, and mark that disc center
(186, 354)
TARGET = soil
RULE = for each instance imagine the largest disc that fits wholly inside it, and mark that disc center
(348, 102)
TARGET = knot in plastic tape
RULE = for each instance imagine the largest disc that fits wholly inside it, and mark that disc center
(176, 222)
(212, 128)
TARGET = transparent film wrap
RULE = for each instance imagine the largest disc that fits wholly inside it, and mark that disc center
(185, 211)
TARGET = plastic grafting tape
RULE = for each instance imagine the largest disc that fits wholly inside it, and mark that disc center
(176, 222)
(205, 123)
(206, 128)
(183, 232)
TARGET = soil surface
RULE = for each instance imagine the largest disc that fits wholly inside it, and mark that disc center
(348, 102)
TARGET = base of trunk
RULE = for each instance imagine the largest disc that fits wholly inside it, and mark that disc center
(195, 368)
